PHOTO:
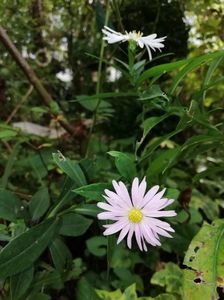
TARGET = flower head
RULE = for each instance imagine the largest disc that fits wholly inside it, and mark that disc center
(136, 214)
(149, 41)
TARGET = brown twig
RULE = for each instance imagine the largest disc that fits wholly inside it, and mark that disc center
(32, 77)
(25, 97)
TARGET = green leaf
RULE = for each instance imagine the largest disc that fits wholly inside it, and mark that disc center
(7, 134)
(161, 69)
(105, 295)
(151, 122)
(10, 205)
(39, 204)
(20, 283)
(74, 225)
(60, 254)
(170, 277)
(207, 205)
(213, 66)
(161, 162)
(71, 168)
(154, 92)
(125, 164)
(87, 209)
(97, 245)
(204, 259)
(92, 191)
(10, 164)
(51, 279)
(193, 64)
(38, 296)
(85, 291)
(22, 251)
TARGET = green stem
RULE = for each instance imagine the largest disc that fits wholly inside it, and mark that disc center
(98, 85)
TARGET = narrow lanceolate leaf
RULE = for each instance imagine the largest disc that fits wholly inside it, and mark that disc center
(39, 204)
(92, 191)
(74, 225)
(193, 64)
(20, 283)
(10, 205)
(21, 252)
(71, 168)
(204, 260)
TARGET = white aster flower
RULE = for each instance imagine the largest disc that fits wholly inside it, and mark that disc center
(137, 214)
(149, 41)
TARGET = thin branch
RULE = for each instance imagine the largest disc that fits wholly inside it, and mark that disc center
(15, 110)
(32, 77)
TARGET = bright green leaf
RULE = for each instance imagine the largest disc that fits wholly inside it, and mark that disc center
(204, 260)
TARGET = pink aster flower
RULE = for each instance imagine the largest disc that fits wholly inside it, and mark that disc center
(136, 214)
(150, 41)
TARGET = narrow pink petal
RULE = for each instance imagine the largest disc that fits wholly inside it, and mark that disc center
(125, 195)
(158, 196)
(122, 193)
(162, 232)
(149, 235)
(112, 202)
(149, 195)
(115, 227)
(158, 205)
(134, 191)
(159, 223)
(144, 245)
(112, 195)
(123, 233)
(141, 189)
(138, 236)
(107, 216)
(156, 213)
(105, 206)
(130, 234)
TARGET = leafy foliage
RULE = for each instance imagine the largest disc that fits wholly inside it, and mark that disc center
(128, 117)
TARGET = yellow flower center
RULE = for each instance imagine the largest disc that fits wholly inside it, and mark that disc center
(135, 215)
(133, 35)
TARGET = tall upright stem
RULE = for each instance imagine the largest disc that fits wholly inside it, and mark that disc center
(99, 82)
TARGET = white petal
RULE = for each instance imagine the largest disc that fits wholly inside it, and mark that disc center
(149, 52)
(140, 43)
